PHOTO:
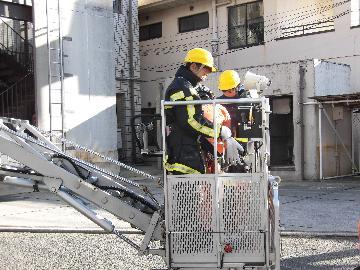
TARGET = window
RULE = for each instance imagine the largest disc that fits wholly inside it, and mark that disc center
(194, 22)
(150, 31)
(246, 25)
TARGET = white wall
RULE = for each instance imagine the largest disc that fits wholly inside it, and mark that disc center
(336, 45)
(160, 57)
(89, 87)
(295, 13)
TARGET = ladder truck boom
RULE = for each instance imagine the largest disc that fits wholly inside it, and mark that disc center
(227, 218)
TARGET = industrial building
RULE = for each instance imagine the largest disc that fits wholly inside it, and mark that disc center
(72, 68)
(309, 49)
(84, 69)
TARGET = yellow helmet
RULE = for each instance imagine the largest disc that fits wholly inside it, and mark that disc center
(228, 79)
(200, 56)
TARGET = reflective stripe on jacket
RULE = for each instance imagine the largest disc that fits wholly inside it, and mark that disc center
(190, 117)
(186, 124)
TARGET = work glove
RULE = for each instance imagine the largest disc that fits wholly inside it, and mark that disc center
(232, 146)
(233, 150)
(225, 133)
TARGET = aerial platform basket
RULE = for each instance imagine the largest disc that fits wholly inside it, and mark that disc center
(224, 220)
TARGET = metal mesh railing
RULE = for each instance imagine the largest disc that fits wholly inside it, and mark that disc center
(305, 29)
(17, 101)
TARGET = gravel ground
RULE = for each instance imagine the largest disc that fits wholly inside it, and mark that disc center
(20, 251)
(308, 253)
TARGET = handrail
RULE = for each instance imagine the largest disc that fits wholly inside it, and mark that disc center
(17, 101)
(15, 45)
(13, 85)
(17, 53)
(4, 47)
(298, 30)
(307, 24)
(15, 32)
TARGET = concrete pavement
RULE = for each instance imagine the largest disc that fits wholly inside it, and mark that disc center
(329, 206)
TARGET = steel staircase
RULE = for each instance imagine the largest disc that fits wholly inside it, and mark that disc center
(17, 94)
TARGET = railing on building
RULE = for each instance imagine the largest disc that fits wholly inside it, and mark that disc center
(14, 45)
(17, 101)
(306, 29)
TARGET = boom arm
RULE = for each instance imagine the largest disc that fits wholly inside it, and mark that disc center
(47, 167)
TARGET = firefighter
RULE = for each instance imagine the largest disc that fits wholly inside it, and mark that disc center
(230, 85)
(222, 117)
(186, 123)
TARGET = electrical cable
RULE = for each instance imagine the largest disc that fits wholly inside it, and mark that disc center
(267, 28)
(171, 41)
(176, 64)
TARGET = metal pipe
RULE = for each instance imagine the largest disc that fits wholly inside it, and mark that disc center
(166, 199)
(214, 22)
(215, 141)
(302, 71)
(61, 230)
(352, 140)
(214, 101)
(320, 143)
(275, 187)
(358, 156)
(40, 136)
(103, 223)
(61, 61)
(217, 196)
(49, 63)
(337, 160)
(330, 102)
(22, 182)
(215, 38)
(131, 82)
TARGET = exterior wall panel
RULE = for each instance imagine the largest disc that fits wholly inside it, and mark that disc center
(89, 86)
(332, 79)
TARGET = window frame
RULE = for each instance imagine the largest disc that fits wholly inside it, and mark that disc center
(148, 26)
(192, 16)
(246, 27)
(287, 136)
